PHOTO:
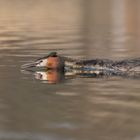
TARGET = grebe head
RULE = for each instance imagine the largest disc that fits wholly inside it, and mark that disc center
(51, 61)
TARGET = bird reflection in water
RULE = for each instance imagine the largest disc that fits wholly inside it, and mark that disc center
(51, 76)
(55, 76)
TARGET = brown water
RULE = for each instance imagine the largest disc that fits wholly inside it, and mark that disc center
(77, 109)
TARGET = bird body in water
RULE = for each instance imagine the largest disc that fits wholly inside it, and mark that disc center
(128, 67)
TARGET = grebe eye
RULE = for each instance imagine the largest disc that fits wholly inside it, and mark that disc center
(41, 76)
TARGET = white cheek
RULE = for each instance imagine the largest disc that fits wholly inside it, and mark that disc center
(43, 63)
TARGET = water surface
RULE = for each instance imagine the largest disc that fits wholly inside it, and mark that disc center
(76, 109)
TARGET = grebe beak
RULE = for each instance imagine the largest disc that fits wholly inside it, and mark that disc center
(28, 65)
(34, 65)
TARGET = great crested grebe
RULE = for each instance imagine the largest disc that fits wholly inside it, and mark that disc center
(53, 61)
